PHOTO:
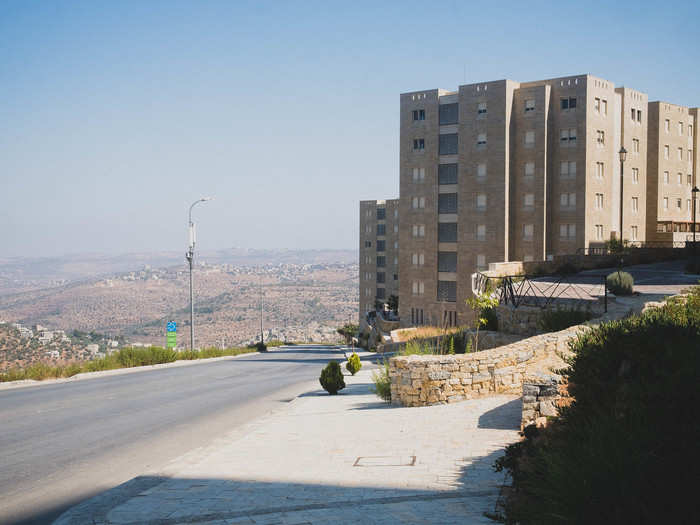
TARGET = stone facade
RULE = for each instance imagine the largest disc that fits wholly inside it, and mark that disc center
(430, 380)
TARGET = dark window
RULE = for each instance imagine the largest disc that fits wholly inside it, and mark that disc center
(381, 277)
(396, 277)
(418, 143)
(418, 114)
(447, 203)
(447, 261)
(447, 232)
(449, 114)
(447, 291)
(572, 103)
(381, 246)
(381, 229)
(447, 174)
(368, 244)
(381, 293)
(381, 214)
(381, 261)
(565, 103)
(568, 103)
(448, 144)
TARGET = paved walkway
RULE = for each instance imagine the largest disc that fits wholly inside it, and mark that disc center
(329, 459)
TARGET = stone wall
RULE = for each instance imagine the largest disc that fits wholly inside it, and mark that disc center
(542, 399)
(434, 379)
(487, 339)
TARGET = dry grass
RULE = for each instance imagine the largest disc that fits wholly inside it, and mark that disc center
(422, 332)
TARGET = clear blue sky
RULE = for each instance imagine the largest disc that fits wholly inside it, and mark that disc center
(114, 116)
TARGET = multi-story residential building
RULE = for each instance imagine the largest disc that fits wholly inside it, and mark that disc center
(672, 164)
(379, 250)
(505, 170)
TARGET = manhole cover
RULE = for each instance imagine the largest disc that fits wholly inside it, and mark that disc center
(385, 461)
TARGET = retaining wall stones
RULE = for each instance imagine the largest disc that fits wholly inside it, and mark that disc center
(436, 379)
(542, 399)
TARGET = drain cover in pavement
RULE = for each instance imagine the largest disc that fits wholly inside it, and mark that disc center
(385, 461)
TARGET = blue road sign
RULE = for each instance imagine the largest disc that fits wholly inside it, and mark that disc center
(172, 326)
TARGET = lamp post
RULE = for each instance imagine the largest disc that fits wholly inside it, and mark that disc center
(623, 156)
(694, 191)
(190, 259)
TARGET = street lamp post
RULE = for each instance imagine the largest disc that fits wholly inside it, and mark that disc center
(623, 156)
(190, 259)
(694, 191)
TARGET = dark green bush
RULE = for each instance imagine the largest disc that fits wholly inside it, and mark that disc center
(332, 378)
(626, 450)
(353, 365)
(561, 318)
(491, 319)
(261, 347)
(620, 283)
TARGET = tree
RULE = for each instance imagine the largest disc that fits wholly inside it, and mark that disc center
(348, 331)
(479, 304)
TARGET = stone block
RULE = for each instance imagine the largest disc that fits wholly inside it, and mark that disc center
(547, 408)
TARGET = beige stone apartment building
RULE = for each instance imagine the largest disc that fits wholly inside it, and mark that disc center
(505, 170)
(379, 251)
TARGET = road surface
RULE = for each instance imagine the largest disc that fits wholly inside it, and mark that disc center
(61, 443)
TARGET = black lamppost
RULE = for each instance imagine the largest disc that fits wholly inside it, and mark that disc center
(623, 156)
(694, 191)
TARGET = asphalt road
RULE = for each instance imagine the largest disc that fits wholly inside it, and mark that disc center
(61, 443)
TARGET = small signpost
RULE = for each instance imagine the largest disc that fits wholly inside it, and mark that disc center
(171, 335)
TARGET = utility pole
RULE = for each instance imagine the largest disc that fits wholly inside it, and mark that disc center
(262, 340)
(190, 259)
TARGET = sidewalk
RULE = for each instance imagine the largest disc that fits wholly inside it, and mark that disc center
(328, 460)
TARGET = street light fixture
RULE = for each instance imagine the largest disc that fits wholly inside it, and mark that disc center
(190, 259)
(623, 157)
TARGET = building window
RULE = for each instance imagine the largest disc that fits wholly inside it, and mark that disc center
(396, 245)
(596, 105)
(567, 200)
(447, 174)
(567, 170)
(481, 232)
(679, 203)
(666, 177)
(639, 115)
(396, 228)
(481, 201)
(635, 203)
(528, 231)
(666, 151)
(447, 203)
(568, 136)
(567, 231)
(690, 179)
(368, 259)
(449, 114)
(447, 291)
(418, 174)
(381, 230)
(690, 130)
(418, 144)
(418, 287)
(396, 277)
(635, 175)
(418, 114)
(419, 230)
(368, 244)
(381, 214)
(680, 179)
(418, 259)
(633, 234)
(529, 105)
(680, 128)
(599, 170)
(481, 169)
(447, 262)
(529, 169)
(481, 262)
(381, 261)
(665, 203)
(529, 200)
(481, 139)
(604, 107)
(418, 203)
(381, 246)
(599, 232)
(381, 277)
(448, 144)
(481, 108)
(667, 125)
(447, 232)
(529, 138)
(635, 145)
(680, 153)
(569, 103)
(600, 137)
(598, 201)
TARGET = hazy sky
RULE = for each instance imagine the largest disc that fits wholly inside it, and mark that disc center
(115, 116)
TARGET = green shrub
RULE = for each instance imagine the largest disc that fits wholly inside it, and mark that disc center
(561, 318)
(332, 378)
(489, 315)
(625, 451)
(353, 365)
(260, 346)
(382, 382)
(620, 283)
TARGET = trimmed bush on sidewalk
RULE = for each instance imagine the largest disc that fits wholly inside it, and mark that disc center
(332, 378)
(353, 365)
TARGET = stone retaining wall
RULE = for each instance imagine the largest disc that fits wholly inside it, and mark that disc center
(435, 379)
(542, 399)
